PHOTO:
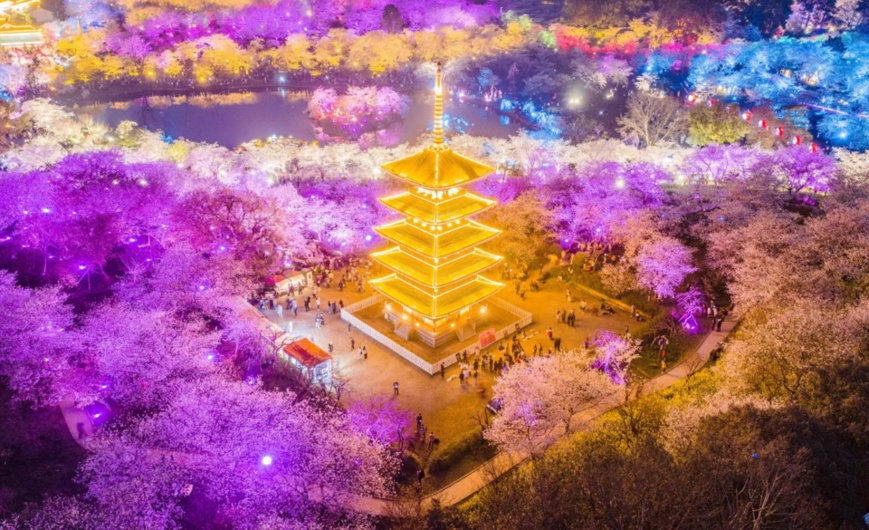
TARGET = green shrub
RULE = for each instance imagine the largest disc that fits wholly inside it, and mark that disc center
(449, 455)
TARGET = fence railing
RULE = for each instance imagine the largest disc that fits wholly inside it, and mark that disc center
(348, 316)
(364, 303)
(449, 359)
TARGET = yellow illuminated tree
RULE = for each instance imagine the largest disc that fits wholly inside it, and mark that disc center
(331, 50)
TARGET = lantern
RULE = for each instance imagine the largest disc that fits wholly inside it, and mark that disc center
(779, 131)
(746, 116)
(797, 140)
(762, 124)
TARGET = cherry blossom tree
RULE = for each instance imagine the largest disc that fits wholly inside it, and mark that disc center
(613, 355)
(33, 354)
(662, 265)
(139, 357)
(381, 419)
(783, 353)
(222, 442)
(541, 400)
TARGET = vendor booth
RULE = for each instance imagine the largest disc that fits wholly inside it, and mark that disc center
(312, 360)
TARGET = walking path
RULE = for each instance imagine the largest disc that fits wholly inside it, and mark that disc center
(475, 480)
(503, 462)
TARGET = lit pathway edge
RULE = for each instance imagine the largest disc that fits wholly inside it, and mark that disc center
(489, 471)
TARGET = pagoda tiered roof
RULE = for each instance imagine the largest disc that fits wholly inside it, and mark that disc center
(435, 267)
(427, 208)
(438, 167)
(441, 274)
(437, 241)
(442, 303)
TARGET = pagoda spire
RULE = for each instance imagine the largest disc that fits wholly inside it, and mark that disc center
(439, 106)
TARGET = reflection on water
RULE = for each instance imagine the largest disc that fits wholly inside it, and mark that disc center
(232, 119)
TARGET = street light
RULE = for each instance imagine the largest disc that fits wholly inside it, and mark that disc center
(266, 460)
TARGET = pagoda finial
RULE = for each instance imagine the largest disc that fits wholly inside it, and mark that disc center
(439, 106)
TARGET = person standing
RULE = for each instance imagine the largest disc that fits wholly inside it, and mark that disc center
(352, 344)
(443, 371)
(395, 388)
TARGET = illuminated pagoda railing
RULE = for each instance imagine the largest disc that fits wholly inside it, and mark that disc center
(435, 286)
(21, 35)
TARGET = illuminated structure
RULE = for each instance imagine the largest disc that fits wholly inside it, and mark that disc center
(17, 36)
(435, 288)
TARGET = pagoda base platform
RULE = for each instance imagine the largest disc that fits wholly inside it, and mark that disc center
(501, 317)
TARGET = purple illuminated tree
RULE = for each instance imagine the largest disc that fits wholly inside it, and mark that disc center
(613, 355)
(381, 419)
(33, 342)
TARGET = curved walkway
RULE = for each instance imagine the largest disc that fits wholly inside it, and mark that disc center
(477, 479)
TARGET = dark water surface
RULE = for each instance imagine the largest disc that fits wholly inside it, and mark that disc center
(233, 119)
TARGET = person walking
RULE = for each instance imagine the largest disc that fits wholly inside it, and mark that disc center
(395, 388)
(462, 378)
(352, 344)
(549, 332)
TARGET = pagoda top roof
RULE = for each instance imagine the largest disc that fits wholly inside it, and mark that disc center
(438, 167)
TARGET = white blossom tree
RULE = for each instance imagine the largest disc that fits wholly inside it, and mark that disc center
(541, 400)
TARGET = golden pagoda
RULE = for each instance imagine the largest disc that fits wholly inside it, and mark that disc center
(435, 287)
(21, 35)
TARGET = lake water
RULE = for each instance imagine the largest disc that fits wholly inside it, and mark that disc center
(232, 119)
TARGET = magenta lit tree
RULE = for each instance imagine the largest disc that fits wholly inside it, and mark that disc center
(613, 355)
(381, 419)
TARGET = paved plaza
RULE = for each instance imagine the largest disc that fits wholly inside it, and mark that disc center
(448, 409)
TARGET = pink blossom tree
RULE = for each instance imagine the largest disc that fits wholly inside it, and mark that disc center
(541, 400)
(662, 265)
(33, 342)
